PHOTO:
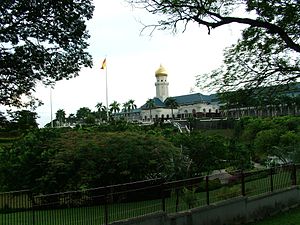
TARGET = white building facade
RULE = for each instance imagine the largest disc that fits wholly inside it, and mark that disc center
(192, 105)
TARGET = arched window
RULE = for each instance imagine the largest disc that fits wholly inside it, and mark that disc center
(194, 112)
(204, 110)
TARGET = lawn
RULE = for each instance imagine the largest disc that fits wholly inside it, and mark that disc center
(291, 217)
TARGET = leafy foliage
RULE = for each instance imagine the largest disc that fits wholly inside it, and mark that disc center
(267, 53)
(41, 41)
(51, 160)
(206, 153)
(278, 137)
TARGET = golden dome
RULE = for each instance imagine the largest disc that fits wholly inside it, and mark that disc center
(161, 71)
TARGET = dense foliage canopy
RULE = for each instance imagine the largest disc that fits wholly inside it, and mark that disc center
(41, 41)
(52, 160)
(267, 53)
(62, 159)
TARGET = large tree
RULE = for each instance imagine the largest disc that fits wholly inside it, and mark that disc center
(267, 53)
(60, 116)
(41, 42)
(171, 103)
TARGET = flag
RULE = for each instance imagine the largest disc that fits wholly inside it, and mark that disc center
(103, 64)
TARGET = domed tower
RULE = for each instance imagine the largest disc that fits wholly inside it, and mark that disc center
(162, 86)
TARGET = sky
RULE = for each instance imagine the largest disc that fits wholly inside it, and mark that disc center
(133, 57)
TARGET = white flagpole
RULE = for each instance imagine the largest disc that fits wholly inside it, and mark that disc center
(107, 113)
(51, 107)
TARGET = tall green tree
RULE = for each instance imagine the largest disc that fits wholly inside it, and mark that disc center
(101, 111)
(268, 51)
(83, 113)
(126, 107)
(60, 116)
(41, 41)
(23, 119)
(71, 119)
(114, 107)
(171, 102)
(150, 104)
(131, 105)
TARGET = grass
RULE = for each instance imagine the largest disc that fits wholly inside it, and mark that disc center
(291, 217)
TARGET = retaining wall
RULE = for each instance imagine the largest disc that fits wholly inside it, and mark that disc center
(234, 211)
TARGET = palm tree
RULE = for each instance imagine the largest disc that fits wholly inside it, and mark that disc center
(114, 107)
(101, 110)
(150, 105)
(131, 105)
(126, 107)
(100, 107)
(171, 103)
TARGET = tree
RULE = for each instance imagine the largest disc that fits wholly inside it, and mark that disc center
(114, 107)
(171, 102)
(267, 53)
(83, 113)
(23, 119)
(206, 152)
(61, 116)
(150, 104)
(71, 119)
(41, 41)
(3, 120)
(101, 110)
(131, 105)
(56, 160)
(126, 107)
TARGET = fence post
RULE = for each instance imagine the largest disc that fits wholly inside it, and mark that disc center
(163, 200)
(32, 207)
(271, 178)
(294, 174)
(243, 183)
(207, 190)
(177, 199)
(105, 206)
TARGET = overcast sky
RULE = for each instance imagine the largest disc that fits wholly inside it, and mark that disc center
(132, 60)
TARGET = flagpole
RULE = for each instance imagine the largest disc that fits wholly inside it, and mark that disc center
(51, 107)
(107, 113)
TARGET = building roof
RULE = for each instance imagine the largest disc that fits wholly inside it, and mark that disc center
(185, 100)
(195, 98)
(157, 104)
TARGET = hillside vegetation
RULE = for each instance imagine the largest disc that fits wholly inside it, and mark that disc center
(62, 159)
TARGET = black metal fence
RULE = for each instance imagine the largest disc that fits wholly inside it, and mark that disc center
(104, 205)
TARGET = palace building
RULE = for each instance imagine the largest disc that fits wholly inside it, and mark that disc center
(196, 105)
(190, 105)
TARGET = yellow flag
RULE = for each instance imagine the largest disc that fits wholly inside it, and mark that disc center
(103, 64)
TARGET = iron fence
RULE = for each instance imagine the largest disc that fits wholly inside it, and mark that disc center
(105, 205)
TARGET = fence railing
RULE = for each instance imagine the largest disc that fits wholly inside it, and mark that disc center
(104, 205)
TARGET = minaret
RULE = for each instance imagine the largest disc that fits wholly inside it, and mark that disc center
(162, 86)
